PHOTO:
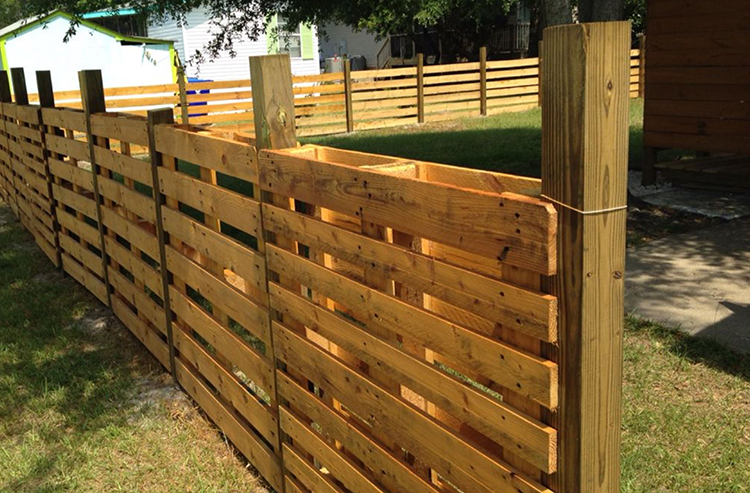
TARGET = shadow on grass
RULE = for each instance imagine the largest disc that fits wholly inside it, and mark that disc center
(65, 370)
(699, 350)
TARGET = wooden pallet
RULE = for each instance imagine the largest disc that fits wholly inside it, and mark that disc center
(726, 171)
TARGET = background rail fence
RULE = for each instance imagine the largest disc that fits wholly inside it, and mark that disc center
(355, 322)
(349, 101)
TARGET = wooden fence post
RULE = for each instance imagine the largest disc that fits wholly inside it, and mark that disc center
(47, 100)
(21, 95)
(6, 96)
(539, 76)
(273, 101)
(273, 110)
(92, 98)
(420, 87)
(157, 117)
(182, 87)
(584, 173)
(348, 95)
(483, 81)
(642, 66)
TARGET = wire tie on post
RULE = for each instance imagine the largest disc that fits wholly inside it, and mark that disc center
(584, 213)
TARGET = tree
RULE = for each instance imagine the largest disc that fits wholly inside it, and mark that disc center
(10, 12)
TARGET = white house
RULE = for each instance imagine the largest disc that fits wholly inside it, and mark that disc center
(301, 42)
(37, 44)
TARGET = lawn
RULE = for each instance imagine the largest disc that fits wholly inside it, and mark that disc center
(83, 406)
(508, 142)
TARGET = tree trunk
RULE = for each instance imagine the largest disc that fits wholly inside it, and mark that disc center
(601, 10)
(555, 12)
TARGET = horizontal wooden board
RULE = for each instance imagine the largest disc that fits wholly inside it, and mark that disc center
(521, 372)
(127, 198)
(247, 312)
(261, 416)
(517, 230)
(210, 151)
(225, 341)
(530, 439)
(123, 128)
(135, 233)
(85, 278)
(75, 149)
(452, 457)
(64, 118)
(229, 253)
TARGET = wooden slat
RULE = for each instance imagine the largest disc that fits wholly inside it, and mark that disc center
(127, 198)
(523, 310)
(134, 233)
(225, 156)
(246, 312)
(234, 256)
(230, 345)
(456, 460)
(85, 278)
(73, 148)
(523, 373)
(507, 426)
(64, 118)
(128, 129)
(258, 414)
(522, 229)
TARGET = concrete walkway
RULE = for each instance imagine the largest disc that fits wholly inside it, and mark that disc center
(699, 282)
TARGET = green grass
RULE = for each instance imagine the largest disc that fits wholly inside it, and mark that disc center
(686, 404)
(83, 407)
(509, 142)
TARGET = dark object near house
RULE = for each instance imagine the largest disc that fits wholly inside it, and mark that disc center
(358, 62)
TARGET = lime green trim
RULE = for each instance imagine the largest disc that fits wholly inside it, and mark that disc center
(307, 41)
(272, 37)
(173, 59)
(3, 55)
(90, 25)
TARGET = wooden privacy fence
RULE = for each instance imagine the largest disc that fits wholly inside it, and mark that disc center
(360, 100)
(355, 322)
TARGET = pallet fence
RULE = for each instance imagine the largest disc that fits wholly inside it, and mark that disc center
(355, 322)
(348, 101)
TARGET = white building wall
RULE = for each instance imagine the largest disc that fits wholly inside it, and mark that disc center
(343, 40)
(42, 48)
(197, 32)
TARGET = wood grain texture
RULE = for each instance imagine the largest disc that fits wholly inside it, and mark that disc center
(584, 165)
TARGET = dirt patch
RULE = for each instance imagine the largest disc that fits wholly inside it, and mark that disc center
(648, 222)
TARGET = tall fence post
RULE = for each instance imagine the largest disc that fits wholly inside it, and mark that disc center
(420, 87)
(348, 95)
(584, 173)
(483, 81)
(273, 101)
(47, 100)
(92, 98)
(642, 66)
(21, 95)
(273, 110)
(540, 72)
(182, 87)
(157, 117)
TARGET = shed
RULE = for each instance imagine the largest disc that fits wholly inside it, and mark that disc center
(698, 90)
(38, 44)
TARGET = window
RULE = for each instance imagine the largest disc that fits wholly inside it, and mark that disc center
(290, 38)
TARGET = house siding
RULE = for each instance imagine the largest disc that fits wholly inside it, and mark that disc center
(357, 43)
(197, 32)
(41, 47)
